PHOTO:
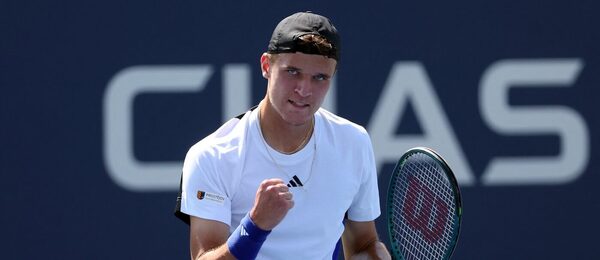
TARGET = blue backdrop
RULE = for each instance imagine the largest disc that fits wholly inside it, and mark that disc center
(101, 100)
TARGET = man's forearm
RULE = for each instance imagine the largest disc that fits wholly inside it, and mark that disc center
(220, 253)
(375, 250)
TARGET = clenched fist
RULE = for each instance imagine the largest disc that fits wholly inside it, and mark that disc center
(272, 202)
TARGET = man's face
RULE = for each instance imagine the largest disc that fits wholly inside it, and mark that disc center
(297, 84)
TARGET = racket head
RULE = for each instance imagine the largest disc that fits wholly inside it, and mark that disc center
(424, 207)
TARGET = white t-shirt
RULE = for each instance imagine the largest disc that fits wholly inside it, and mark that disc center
(336, 168)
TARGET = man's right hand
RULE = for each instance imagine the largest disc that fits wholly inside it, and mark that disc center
(272, 202)
(208, 237)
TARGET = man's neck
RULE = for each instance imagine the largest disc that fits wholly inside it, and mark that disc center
(281, 135)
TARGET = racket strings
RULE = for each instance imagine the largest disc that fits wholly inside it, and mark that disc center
(424, 203)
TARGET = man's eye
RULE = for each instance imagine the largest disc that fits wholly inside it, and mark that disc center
(292, 71)
(320, 77)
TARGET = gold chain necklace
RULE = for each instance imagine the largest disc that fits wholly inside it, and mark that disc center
(304, 142)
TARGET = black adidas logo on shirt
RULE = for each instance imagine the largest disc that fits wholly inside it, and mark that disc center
(295, 182)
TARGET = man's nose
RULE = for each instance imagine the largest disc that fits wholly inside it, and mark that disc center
(304, 89)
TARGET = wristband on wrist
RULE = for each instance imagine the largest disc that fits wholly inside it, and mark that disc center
(247, 239)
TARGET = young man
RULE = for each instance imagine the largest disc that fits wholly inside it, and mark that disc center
(288, 179)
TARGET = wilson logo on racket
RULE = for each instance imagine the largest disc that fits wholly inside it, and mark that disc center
(424, 207)
(420, 206)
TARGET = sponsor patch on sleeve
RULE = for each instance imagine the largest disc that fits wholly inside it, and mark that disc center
(208, 196)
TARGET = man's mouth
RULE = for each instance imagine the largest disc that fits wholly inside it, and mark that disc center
(298, 104)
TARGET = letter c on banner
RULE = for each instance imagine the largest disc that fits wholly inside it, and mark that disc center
(121, 164)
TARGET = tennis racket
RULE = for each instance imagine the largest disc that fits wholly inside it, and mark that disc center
(424, 207)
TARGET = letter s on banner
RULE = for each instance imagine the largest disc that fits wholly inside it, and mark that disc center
(122, 166)
(563, 121)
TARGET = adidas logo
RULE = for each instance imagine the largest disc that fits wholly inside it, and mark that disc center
(243, 232)
(295, 182)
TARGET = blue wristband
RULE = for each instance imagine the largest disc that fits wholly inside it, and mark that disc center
(246, 240)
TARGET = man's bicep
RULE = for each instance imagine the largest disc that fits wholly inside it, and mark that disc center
(206, 235)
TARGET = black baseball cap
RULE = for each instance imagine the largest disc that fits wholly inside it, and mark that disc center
(286, 34)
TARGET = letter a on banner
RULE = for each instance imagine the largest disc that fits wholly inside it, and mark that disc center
(408, 80)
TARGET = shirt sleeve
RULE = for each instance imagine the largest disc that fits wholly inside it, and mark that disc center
(204, 192)
(365, 206)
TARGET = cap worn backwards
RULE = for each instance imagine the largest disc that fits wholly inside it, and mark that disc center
(286, 34)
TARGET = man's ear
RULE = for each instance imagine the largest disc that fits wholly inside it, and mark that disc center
(265, 65)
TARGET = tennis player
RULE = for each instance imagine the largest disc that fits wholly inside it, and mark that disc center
(287, 179)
